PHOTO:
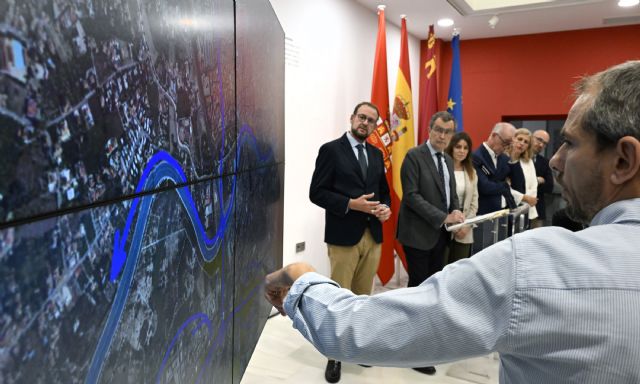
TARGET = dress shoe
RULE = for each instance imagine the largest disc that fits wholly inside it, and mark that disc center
(332, 372)
(426, 370)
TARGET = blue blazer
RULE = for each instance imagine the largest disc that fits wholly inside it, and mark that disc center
(492, 184)
(517, 179)
(336, 179)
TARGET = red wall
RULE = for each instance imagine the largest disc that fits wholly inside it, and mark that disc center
(529, 75)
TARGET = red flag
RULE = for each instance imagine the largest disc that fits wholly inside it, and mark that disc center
(382, 140)
(429, 92)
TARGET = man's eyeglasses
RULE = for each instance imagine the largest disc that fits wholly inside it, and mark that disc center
(541, 140)
(366, 119)
(505, 143)
(442, 131)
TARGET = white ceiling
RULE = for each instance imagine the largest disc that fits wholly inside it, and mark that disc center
(559, 15)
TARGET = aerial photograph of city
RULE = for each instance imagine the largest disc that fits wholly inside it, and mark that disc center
(89, 90)
(141, 193)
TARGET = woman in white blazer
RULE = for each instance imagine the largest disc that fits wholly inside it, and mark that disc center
(524, 182)
(467, 189)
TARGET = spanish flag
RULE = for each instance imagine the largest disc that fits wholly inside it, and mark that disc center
(402, 132)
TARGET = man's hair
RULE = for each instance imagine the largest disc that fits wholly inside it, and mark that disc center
(541, 130)
(445, 117)
(499, 127)
(368, 104)
(614, 109)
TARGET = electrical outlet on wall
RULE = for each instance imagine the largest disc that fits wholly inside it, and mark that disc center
(299, 247)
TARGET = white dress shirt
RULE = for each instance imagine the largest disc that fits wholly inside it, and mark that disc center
(354, 143)
(445, 170)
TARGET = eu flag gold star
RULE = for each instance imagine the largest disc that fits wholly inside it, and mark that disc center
(450, 104)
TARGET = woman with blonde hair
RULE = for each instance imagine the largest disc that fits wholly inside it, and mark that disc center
(467, 189)
(523, 171)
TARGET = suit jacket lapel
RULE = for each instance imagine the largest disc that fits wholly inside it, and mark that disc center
(449, 161)
(471, 190)
(502, 161)
(452, 178)
(433, 168)
(353, 160)
(488, 161)
(370, 162)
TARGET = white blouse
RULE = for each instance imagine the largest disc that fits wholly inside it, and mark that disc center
(531, 184)
(460, 185)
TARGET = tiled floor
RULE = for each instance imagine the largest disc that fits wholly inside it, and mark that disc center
(284, 356)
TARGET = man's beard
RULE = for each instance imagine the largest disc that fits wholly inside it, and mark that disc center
(583, 208)
(577, 214)
(356, 133)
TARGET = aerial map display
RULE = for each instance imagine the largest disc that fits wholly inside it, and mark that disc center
(141, 191)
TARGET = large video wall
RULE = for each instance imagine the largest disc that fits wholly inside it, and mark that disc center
(141, 187)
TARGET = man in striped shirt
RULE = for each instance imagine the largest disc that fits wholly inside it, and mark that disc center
(559, 306)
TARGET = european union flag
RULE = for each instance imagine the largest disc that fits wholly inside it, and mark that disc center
(454, 101)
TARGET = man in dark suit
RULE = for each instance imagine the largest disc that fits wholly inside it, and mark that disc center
(349, 183)
(429, 201)
(544, 174)
(492, 168)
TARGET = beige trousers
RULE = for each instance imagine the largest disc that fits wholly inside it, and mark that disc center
(353, 267)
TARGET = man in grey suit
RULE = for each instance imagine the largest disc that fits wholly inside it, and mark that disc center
(429, 201)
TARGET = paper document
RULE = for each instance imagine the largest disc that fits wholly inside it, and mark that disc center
(478, 219)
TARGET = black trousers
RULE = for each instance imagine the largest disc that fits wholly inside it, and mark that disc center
(423, 263)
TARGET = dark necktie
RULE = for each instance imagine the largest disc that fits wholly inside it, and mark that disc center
(362, 160)
(440, 167)
(441, 172)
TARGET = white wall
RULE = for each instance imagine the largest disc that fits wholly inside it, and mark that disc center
(330, 50)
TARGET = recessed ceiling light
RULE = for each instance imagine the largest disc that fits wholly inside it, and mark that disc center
(445, 22)
(628, 3)
(488, 5)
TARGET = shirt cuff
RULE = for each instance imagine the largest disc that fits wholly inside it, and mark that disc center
(517, 196)
(298, 288)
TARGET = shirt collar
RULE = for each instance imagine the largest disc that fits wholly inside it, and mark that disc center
(354, 142)
(623, 211)
(431, 149)
(491, 152)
